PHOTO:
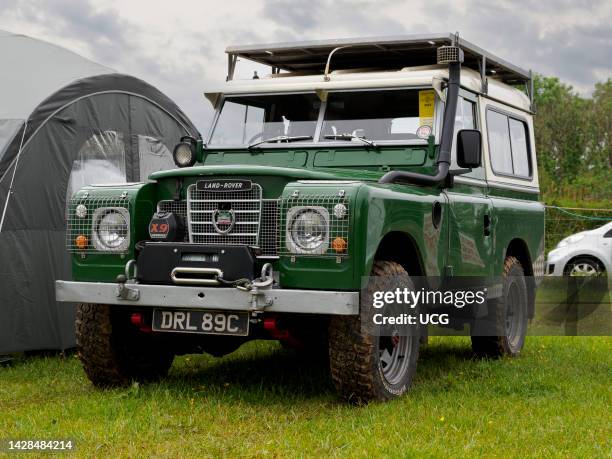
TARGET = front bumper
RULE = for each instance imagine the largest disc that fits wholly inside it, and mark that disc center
(217, 298)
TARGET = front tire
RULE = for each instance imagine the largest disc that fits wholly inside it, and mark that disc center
(509, 316)
(113, 352)
(364, 366)
(584, 267)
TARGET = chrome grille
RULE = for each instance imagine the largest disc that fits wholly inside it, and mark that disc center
(268, 223)
(245, 206)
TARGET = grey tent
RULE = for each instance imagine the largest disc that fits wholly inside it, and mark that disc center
(64, 122)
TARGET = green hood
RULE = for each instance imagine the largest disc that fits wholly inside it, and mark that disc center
(293, 173)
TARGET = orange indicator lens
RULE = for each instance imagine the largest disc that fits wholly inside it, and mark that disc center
(339, 245)
(81, 242)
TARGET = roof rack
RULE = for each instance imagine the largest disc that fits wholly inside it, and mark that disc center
(391, 52)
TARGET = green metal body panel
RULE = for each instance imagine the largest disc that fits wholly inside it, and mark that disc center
(457, 245)
(516, 216)
(385, 209)
(142, 199)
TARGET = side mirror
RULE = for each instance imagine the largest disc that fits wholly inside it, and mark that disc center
(469, 148)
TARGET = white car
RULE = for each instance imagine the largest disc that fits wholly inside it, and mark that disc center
(583, 254)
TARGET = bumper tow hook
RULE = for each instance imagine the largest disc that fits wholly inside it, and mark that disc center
(258, 289)
(123, 291)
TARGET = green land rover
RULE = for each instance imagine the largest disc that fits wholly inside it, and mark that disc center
(355, 166)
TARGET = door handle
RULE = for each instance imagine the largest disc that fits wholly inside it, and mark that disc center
(487, 225)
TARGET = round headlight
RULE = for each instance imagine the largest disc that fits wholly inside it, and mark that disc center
(309, 230)
(184, 154)
(112, 230)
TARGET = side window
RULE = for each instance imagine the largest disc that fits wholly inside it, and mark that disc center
(467, 114)
(465, 118)
(508, 145)
(520, 152)
(499, 143)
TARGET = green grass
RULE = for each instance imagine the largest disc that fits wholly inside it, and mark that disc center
(260, 401)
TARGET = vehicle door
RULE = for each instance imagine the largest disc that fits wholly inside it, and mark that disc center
(469, 239)
(605, 243)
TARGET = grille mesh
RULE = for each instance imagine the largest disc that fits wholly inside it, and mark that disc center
(268, 233)
(176, 207)
(448, 54)
(96, 207)
(338, 227)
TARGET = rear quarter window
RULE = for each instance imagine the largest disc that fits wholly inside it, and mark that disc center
(520, 150)
(508, 145)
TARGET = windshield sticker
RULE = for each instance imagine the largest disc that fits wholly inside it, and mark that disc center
(426, 107)
(423, 132)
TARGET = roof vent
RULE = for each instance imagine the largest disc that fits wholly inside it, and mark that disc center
(449, 54)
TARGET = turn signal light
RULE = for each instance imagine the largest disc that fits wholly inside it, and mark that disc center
(339, 245)
(81, 242)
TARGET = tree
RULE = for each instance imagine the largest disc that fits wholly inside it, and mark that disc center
(573, 136)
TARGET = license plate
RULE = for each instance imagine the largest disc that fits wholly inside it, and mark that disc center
(203, 322)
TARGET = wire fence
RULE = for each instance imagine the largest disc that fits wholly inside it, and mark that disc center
(562, 222)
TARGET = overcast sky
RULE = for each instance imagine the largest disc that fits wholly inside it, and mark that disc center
(178, 45)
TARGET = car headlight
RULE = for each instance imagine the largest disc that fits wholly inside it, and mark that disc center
(570, 240)
(307, 230)
(553, 255)
(111, 229)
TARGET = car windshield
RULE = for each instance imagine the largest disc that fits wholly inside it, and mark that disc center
(379, 115)
(249, 119)
(349, 116)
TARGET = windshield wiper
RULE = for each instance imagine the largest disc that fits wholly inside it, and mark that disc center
(281, 138)
(351, 137)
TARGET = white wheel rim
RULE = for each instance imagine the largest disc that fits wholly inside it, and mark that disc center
(394, 357)
(583, 269)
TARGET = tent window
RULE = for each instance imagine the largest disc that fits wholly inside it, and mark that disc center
(154, 156)
(101, 159)
(8, 129)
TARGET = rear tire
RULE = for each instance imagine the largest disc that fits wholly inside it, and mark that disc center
(113, 352)
(365, 367)
(509, 315)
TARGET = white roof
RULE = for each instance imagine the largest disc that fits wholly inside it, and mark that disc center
(355, 79)
(34, 69)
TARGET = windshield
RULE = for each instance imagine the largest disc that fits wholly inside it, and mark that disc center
(379, 115)
(375, 115)
(249, 119)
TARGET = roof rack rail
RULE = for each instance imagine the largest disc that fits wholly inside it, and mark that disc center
(391, 52)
